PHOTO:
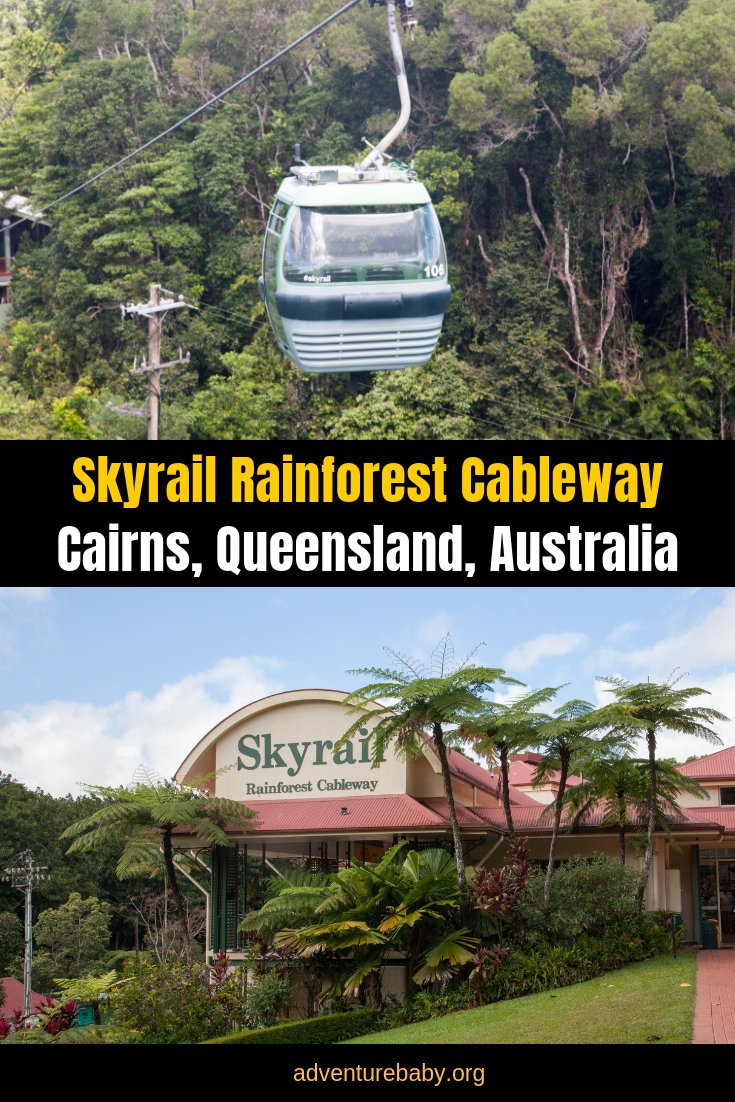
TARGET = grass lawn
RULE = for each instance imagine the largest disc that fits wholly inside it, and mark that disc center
(641, 1004)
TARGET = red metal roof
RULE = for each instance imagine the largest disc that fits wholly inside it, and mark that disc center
(719, 766)
(722, 816)
(483, 778)
(377, 813)
(466, 816)
(528, 819)
(14, 998)
(522, 770)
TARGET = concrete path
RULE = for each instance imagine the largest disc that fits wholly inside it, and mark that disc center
(714, 1012)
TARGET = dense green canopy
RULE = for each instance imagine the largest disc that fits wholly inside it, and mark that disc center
(581, 154)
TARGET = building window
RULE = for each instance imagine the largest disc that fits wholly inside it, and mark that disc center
(727, 796)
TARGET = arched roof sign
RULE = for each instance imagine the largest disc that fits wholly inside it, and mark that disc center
(216, 748)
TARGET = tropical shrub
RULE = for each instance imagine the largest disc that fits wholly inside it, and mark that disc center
(409, 901)
(526, 971)
(588, 897)
(497, 893)
(80, 1035)
(178, 1003)
(268, 996)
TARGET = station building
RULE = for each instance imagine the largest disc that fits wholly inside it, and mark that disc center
(319, 808)
(16, 218)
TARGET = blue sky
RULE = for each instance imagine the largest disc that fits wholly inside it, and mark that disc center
(93, 681)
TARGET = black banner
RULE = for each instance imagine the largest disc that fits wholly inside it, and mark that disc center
(364, 513)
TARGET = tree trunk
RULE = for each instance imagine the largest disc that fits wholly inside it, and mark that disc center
(670, 159)
(621, 825)
(559, 803)
(685, 311)
(506, 794)
(173, 883)
(652, 809)
(458, 855)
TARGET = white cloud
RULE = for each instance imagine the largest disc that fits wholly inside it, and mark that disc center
(549, 645)
(704, 654)
(434, 628)
(709, 643)
(61, 743)
(618, 634)
(722, 699)
(33, 593)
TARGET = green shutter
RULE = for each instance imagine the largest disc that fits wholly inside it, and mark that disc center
(229, 888)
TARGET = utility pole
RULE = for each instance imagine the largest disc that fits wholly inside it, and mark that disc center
(24, 877)
(154, 360)
(155, 311)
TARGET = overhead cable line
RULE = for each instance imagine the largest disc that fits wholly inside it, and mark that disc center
(542, 410)
(239, 317)
(192, 115)
(529, 409)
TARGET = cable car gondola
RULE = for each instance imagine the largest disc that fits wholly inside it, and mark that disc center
(354, 265)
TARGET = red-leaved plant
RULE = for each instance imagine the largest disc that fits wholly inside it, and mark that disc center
(56, 1017)
(497, 892)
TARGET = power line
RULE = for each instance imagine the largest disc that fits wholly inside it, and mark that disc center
(192, 115)
(519, 405)
(238, 317)
(542, 410)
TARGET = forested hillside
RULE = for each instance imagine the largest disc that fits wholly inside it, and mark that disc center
(581, 155)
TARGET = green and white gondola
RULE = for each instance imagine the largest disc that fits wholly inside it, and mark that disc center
(354, 265)
(354, 270)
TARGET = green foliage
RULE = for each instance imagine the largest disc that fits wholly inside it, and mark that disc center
(517, 345)
(444, 173)
(325, 1030)
(618, 112)
(588, 897)
(409, 900)
(241, 405)
(544, 967)
(140, 818)
(268, 996)
(11, 944)
(550, 966)
(420, 403)
(72, 940)
(106, 1034)
(87, 988)
(176, 1003)
(421, 699)
(646, 708)
(620, 787)
(290, 903)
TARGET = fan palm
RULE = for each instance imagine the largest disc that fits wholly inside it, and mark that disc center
(290, 902)
(500, 730)
(409, 899)
(645, 708)
(420, 699)
(618, 785)
(143, 817)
